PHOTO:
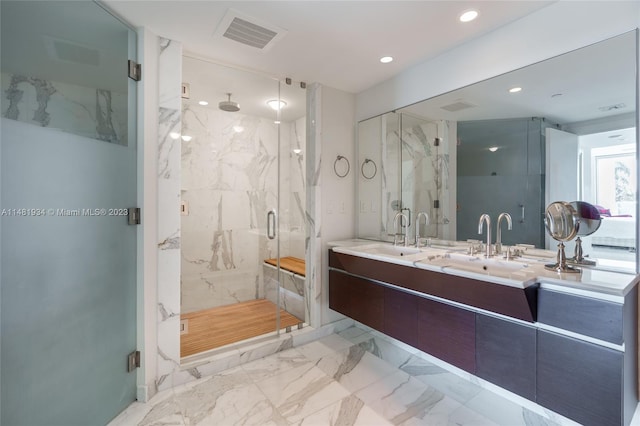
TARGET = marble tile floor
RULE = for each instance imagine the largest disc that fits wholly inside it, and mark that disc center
(354, 377)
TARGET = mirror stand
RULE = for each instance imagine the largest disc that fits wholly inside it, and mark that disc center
(578, 257)
(561, 264)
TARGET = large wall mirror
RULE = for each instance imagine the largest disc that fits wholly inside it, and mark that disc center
(560, 130)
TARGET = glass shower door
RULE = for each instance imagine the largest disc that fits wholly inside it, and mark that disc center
(230, 231)
(421, 184)
(68, 178)
(292, 135)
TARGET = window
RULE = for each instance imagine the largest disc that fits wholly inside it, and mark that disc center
(616, 182)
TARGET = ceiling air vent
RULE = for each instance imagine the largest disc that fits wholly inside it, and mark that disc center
(248, 31)
(69, 51)
(250, 34)
(458, 106)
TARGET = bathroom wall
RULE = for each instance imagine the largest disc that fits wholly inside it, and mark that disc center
(147, 138)
(330, 199)
(168, 207)
(229, 182)
(84, 111)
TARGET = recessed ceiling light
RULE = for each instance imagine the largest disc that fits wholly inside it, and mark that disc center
(174, 135)
(276, 122)
(297, 151)
(276, 104)
(515, 89)
(493, 149)
(238, 129)
(186, 138)
(386, 59)
(468, 16)
(203, 103)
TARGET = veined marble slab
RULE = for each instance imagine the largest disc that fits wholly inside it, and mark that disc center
(290, 388)
(91, 112)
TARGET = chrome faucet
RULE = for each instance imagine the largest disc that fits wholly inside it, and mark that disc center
(397, 221)
(417, 224)
(506, 216)
(486, 218)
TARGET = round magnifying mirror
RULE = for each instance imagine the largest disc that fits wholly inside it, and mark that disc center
(589, 223)
(562, 221)
(589, 217)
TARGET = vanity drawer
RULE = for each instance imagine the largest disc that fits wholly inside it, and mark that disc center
(599, 319)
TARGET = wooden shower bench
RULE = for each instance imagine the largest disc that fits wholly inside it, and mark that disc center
(289, 263)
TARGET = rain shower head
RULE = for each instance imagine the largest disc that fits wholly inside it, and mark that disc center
(229, 105)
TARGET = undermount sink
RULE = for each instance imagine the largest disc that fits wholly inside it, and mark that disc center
(493, 266)
(389, 250)
(383, 251)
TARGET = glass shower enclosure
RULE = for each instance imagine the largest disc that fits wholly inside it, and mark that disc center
(242, 210)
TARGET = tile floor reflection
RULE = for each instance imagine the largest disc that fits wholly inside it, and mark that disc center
(350, 378)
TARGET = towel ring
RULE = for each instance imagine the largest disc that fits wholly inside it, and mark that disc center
(375, 168)
(335, 166)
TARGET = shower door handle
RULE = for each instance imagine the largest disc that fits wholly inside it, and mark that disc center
(271, 224)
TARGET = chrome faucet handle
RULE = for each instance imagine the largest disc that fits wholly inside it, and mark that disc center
(502, 216)
(417, 225)
(507, 255)
(485, 218)
(397, 220)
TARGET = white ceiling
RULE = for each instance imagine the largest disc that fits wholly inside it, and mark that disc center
(336, 43)
(569, 88)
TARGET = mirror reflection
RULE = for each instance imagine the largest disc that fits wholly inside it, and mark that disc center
(560, 130)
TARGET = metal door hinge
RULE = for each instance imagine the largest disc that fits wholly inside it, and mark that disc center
(436, 142)
(133, 361)
(436, 204)
(134, 216)
(135, 70)
(186, 90)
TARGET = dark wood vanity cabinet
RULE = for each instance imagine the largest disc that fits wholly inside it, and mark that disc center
(357, 298)
(447, 332)
(442, 330)
(584, 315)
(580, 380)
(588, 382)
(401, 316)
(567, 371)
(506, 354)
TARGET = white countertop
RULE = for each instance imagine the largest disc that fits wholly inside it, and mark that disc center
(519, 272)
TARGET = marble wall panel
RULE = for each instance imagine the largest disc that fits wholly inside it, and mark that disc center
(168, 316)
(313, 215)
(417, 172)
(229, 182)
